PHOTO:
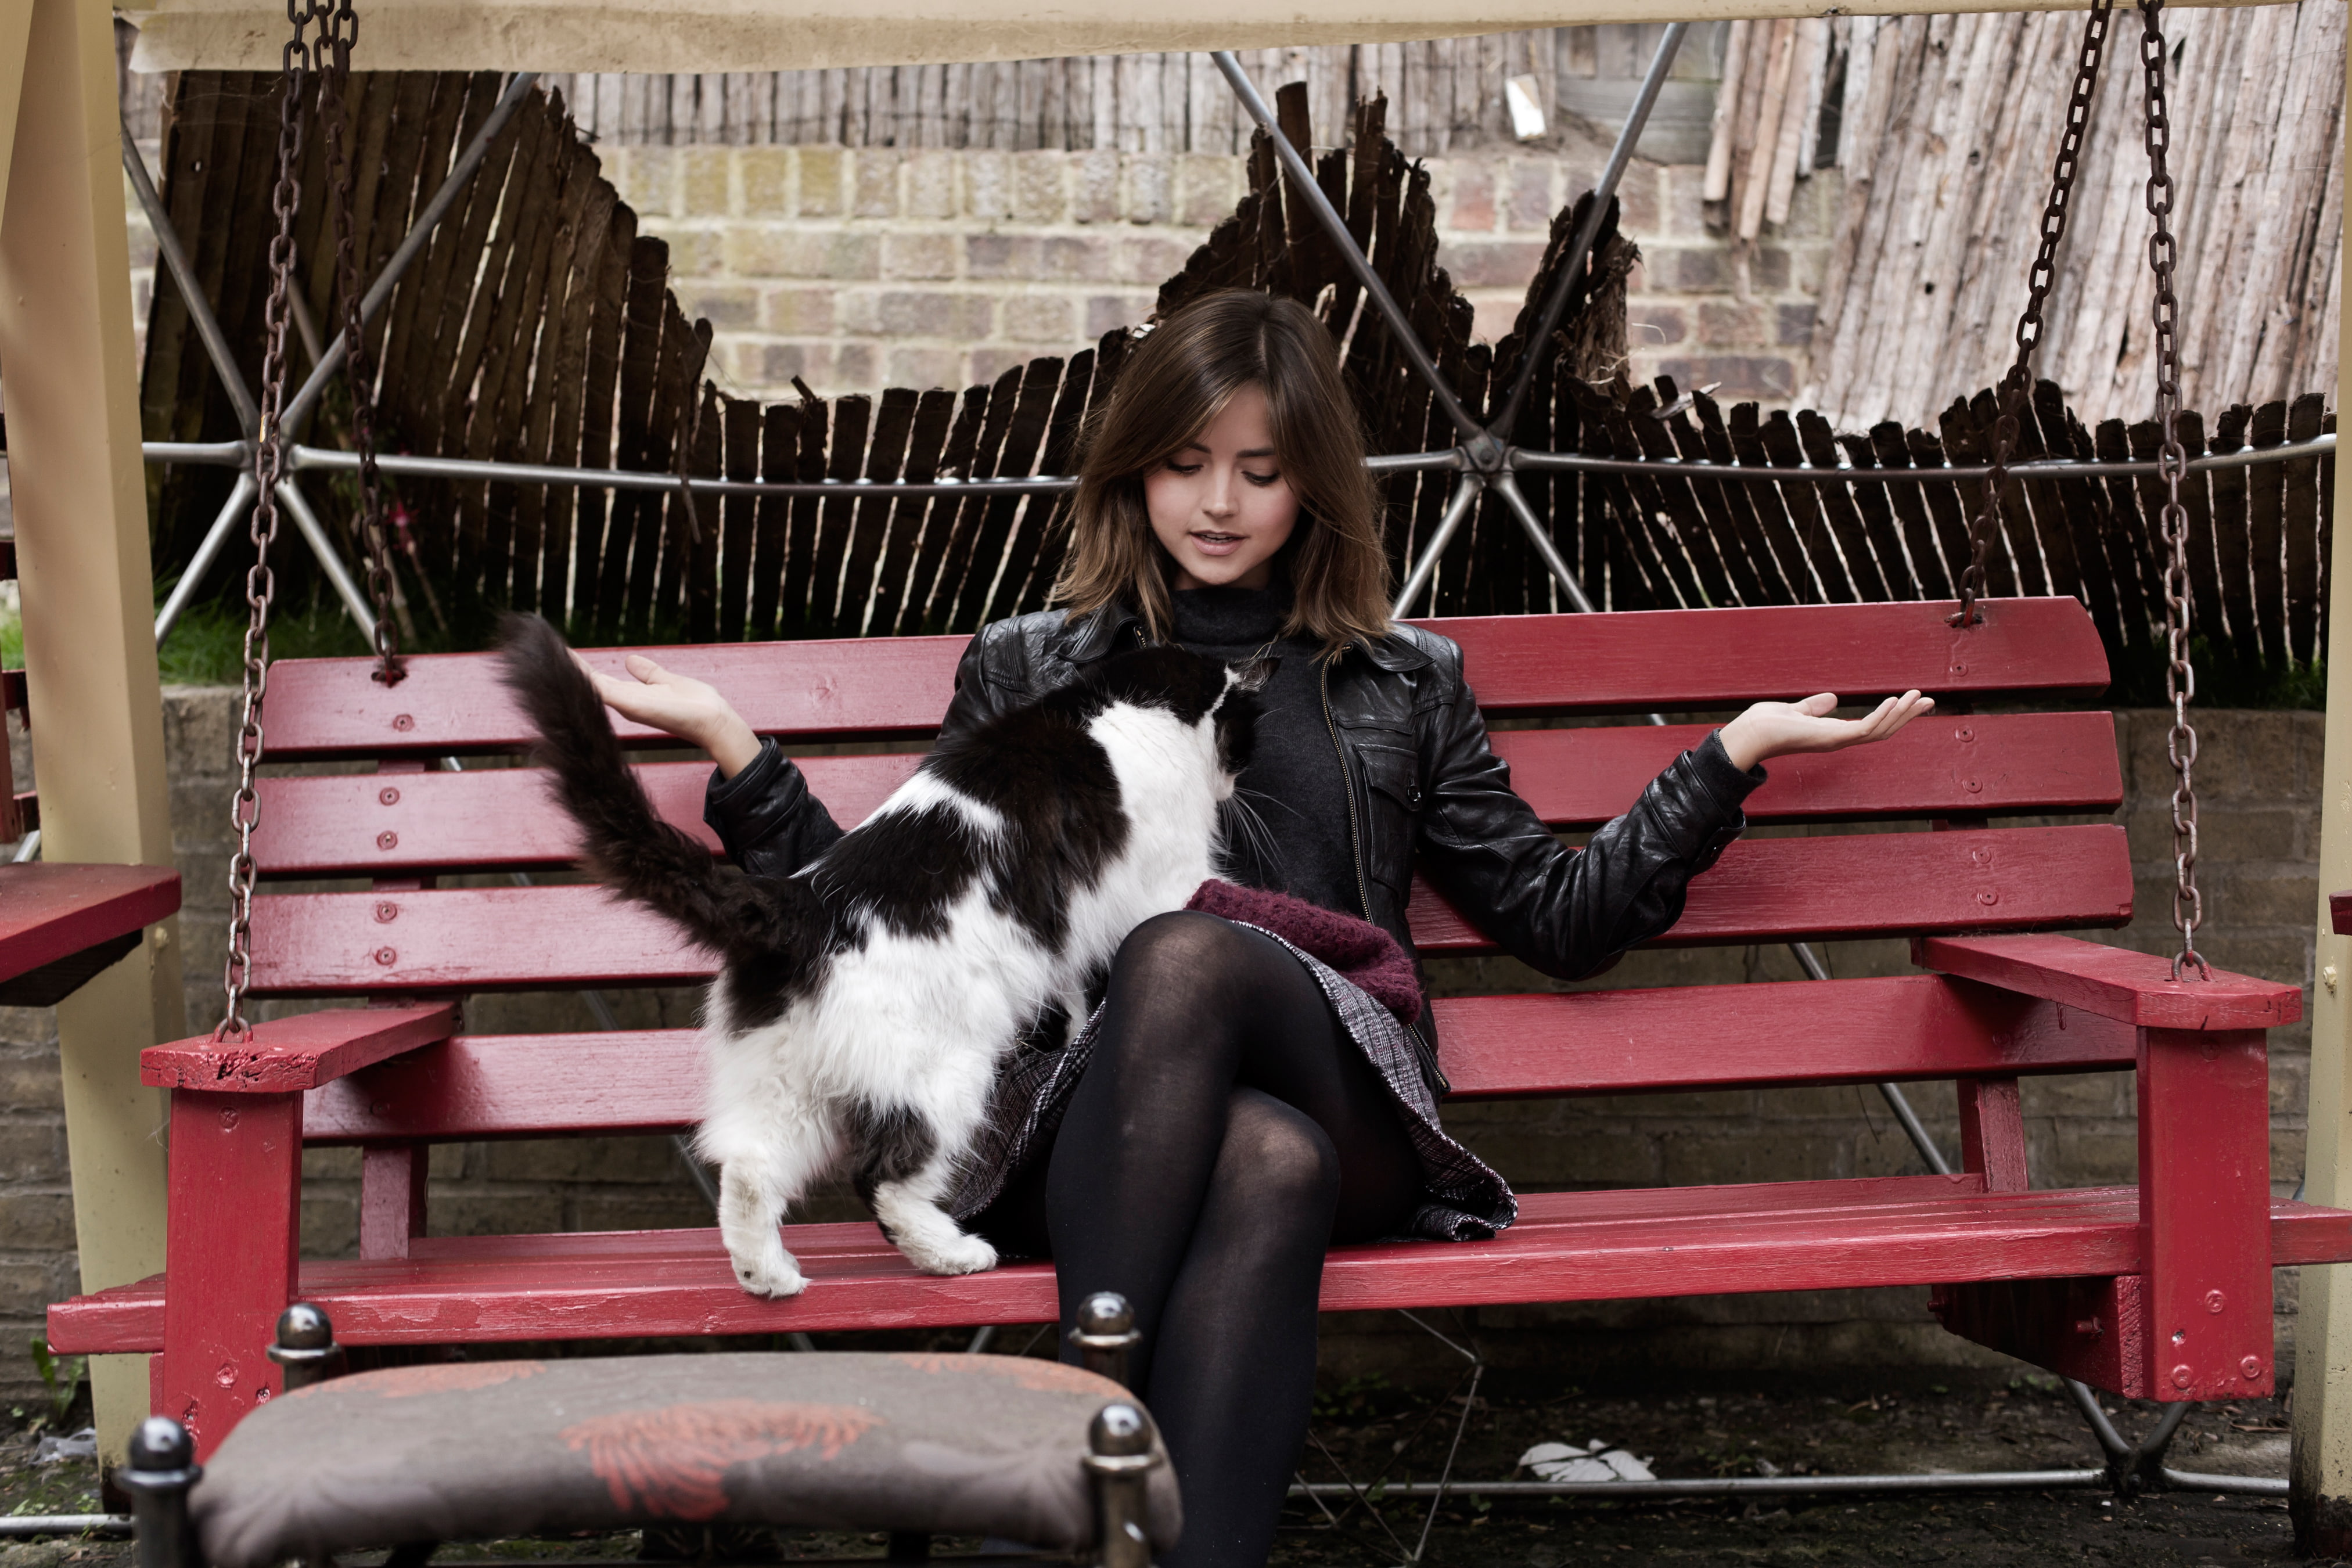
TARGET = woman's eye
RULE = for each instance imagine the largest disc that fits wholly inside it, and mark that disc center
(1186, 469)
(1261, 481)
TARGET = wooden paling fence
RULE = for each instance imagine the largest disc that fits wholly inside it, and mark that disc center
(1447, 95)
(2258, 535)
(537, 328)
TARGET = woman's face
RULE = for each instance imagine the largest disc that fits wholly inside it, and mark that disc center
(1219, 505)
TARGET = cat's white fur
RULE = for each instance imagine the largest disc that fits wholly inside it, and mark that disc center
(923, 1021)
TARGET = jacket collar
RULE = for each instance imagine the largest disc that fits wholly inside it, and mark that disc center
(1090, 637)
(1394, 652)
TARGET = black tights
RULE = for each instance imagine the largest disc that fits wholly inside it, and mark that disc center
(1225, 1131)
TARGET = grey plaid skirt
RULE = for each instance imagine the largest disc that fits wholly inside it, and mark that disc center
(1462, 1198)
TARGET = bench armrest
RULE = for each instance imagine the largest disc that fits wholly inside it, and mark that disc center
(2135, 988)
(287, 1056)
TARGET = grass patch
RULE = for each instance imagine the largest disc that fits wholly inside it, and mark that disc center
(206, 647)
(2221, 681)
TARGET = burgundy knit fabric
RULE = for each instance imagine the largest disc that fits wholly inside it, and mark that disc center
(1369, 956)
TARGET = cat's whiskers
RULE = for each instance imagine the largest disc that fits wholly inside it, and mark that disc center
(1235, 812)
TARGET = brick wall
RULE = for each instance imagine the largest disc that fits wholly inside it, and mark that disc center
(2257, 772)
(857, 268)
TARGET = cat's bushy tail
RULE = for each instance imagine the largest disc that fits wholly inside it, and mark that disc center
(628, 847)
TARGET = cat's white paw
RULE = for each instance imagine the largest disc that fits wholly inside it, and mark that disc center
(959, 1255)
(773, 1276)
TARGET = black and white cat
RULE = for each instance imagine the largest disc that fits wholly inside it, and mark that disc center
(865, 1001)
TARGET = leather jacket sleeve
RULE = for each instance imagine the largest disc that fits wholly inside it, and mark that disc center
(1570, 912)
(771, 824)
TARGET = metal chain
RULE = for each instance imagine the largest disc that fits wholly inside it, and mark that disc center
(260, 583)
(2017, 387)
(342, 31)
(2179, 676)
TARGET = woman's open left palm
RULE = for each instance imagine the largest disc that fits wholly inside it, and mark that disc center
(1777, 728)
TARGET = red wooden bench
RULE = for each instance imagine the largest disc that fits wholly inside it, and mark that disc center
(2161, 1290)
(61, 924)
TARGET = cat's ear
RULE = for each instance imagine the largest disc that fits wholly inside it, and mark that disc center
(1253, 676)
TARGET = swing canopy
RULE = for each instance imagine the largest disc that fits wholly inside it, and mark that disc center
(663, 36)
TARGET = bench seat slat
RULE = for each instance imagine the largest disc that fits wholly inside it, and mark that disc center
(1633, 662)
(1567, 1247)
(475, 939)
(498, 819)
(52, 911)
(1594, 1042)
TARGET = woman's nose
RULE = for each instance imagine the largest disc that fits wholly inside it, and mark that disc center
(1219, 501)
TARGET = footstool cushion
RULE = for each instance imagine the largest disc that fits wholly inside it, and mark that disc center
(958, 1445)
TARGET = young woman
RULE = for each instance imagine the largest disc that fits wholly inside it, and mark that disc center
(1236, 1105)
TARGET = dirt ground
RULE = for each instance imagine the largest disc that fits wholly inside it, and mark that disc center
(1724, 1431)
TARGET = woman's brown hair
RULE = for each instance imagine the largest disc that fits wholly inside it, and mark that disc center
(1174, 384)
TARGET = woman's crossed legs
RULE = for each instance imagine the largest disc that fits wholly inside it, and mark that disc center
(1226, 1130)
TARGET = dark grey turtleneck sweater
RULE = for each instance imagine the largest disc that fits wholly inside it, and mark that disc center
(1293, 781)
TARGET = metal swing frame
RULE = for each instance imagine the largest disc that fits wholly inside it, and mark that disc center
(1483, 461)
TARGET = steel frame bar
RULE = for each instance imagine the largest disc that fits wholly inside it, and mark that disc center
(235, 453)
(1799, 1485)
(2132, 1467)
(1896, 1101)
(412, 244)
(314, 535)
(200, 310)
(1572, 265)
(1457, 507)
(66, 1524)
(301, 458)
(1304, 185)
(1506, 485)
(323, 366)
(240, 498)
(1485, 456)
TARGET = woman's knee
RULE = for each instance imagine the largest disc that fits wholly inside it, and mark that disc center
(1280, 1154)
(1182, 947)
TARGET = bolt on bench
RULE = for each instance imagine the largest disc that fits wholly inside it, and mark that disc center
(2160, 1290)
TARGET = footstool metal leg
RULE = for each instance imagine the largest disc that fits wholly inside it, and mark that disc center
(305, 1347)
(1106, 1332)
(162, 1468)
(1119, 1458)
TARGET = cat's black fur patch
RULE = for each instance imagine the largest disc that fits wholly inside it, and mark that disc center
(887, 1143)
(1036, 766)
(907, 868)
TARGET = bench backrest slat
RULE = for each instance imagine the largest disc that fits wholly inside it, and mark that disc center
(1662, 661)
(498, 818)
(471, 939)
(1868, 885)
(1595, 1042)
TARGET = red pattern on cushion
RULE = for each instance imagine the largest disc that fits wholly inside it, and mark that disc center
(1363, 952)
(672, 1462)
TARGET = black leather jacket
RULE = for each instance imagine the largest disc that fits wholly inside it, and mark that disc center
(1422, 786)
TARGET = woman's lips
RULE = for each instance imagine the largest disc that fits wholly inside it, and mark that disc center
(1217, 543)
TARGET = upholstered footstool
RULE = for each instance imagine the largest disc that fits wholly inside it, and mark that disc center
(916, 1444)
